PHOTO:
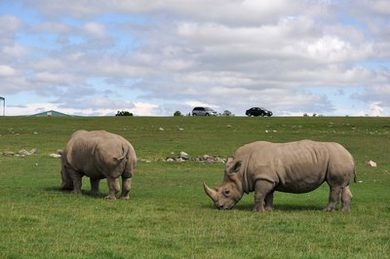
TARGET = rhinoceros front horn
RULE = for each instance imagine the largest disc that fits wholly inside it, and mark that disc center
(210, 192)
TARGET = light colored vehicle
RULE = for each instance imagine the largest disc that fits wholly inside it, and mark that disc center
(203, 111)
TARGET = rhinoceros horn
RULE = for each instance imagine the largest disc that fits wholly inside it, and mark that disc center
(210, 192)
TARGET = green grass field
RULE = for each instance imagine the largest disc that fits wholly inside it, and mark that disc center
(168, 215)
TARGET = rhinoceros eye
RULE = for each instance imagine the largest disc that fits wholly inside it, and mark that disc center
(226, 193)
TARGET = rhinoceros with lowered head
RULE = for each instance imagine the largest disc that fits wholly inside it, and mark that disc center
(294, 167)
(98, 154)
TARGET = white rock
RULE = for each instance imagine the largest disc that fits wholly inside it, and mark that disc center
(184, 155)
(371, 163)
(54, 155)
(8, 153)
(24, 152)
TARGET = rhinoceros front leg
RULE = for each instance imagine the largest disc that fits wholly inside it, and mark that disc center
(113, 187)
(126, 186)
(262, 190)
(94, 186)
(334, 196)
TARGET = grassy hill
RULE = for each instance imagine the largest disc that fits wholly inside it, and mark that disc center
(168, 215)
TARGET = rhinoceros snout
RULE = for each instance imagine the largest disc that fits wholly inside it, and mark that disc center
(220, 206)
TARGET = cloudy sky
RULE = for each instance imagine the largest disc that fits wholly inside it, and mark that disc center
(96, 57)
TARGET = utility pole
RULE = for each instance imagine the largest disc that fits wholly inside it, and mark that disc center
(3, 99)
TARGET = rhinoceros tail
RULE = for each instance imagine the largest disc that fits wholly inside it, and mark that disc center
(123, 156)
(354, 176)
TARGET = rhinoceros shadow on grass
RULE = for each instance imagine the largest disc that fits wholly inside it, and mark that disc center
(277, 207)
(284, 207)
(55, 189)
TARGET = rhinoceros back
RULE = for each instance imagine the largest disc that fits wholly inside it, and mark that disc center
(295, 167)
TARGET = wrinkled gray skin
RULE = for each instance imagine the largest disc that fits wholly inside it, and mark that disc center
(98, 154)
(294, 167)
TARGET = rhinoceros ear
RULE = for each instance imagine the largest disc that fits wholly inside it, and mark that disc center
(236, 167)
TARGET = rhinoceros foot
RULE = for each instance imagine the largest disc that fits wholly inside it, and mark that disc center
(110, 197)
(329, 209)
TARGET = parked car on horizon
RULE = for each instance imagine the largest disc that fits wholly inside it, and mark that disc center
(203, 111)
(258, 111)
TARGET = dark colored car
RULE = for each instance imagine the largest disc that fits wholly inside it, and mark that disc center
(203, 111)
(257, 111)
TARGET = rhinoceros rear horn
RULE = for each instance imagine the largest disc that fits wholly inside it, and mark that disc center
(210, 192)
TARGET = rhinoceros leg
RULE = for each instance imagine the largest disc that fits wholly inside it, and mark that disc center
(113, 187)
(262, 191)
(269, 200)
(94, 185)
(334, 196)
(346, 197)
(76, 180)
(126, 186)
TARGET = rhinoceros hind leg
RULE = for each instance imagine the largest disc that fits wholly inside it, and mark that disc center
(113, 187)
(334, 196)
(346, 197)
(76, 180)
(269, 201)
(126, 186)
(94, 186)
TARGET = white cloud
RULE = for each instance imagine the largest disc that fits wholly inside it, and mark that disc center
(97, 107)
(144, 109)
(224, 54)
(376, 109)
(95, 29)
(7, 70)
(13, 51)
(53, 27)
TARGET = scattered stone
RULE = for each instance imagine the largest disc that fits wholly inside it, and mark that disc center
(371, 163)
(180, 159)
(21, 153)
(180, 129)
(55, 155)
(24, 152)
(8, 153)
(161, 129)
(183, 155)
(145, 160)
(35, 133)
(228, 126)
(209, 159)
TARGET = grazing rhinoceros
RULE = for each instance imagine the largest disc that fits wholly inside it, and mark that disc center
(98, 154)
(295, 167)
